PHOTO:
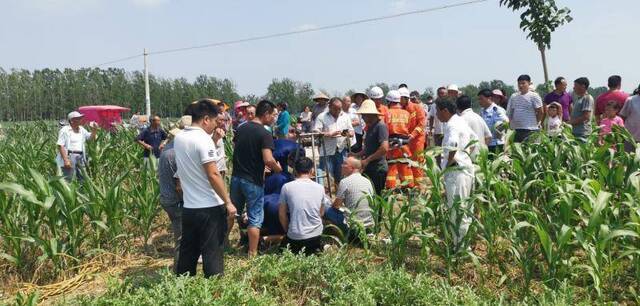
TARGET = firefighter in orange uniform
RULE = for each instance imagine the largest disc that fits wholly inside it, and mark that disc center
(417, 139)
(399, 155)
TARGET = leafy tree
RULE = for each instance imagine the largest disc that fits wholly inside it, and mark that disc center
(471, 91)
(543, 89)
(251, 98)
(51, 94)
(350, 92)
(595, 92)
(296, 94)
(426, 93)
(540, 18)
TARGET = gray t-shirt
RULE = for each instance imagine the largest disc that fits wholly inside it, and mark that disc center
(373, 139)
(166, 170)
(631, 112)
(580, 105)
(304, 198)
(355, 190)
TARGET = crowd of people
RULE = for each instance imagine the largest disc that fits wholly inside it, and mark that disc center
(370, 142)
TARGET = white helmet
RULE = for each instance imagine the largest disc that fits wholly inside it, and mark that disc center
(393, 96)
(375, 92)
(403, 92)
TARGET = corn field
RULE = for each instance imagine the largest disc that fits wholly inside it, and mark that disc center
(49, 225)
(555, 213)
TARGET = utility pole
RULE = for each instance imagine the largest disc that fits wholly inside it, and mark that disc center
(147, 97)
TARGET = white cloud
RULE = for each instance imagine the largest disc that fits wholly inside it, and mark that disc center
(305, 27)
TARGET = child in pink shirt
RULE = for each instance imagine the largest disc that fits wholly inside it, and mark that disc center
(610, 119)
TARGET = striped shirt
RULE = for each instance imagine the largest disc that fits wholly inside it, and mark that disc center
(522, 111)
(355, 190)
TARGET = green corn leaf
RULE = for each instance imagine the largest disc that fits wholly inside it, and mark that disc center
(620, 233)
(18, 189)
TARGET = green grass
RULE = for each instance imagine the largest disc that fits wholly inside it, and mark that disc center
(336, 278)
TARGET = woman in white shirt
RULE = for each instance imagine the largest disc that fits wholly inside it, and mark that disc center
(71, 156)
(305, 119)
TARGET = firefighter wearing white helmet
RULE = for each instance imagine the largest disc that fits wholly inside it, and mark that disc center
(377, 95)
(399, 154)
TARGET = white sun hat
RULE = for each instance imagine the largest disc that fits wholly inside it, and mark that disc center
(74, 114)
(453, 87)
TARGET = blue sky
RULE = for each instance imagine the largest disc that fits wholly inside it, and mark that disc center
(460, 45)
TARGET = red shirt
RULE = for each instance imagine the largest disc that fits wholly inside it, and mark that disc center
(617, 95)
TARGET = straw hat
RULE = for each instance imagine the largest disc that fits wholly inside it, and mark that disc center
(359, 93)
(220, 104)
(368, 107)
(184, 121)
(320, 96)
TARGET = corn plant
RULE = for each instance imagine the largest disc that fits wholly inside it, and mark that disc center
(397, 211)
(146, 196)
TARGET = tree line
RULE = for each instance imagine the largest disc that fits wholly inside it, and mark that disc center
(49, 94)
(52, 93)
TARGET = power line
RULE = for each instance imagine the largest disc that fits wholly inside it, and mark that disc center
(120, 60)
(295, 32)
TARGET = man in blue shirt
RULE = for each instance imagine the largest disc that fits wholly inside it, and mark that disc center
(283, 122)
(152, 138)
(493, 115)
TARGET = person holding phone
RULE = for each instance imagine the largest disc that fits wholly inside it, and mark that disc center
(336, 127)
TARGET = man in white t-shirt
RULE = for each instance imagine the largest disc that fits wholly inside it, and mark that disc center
(206, 201)
(475, 122)
(71, 157)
